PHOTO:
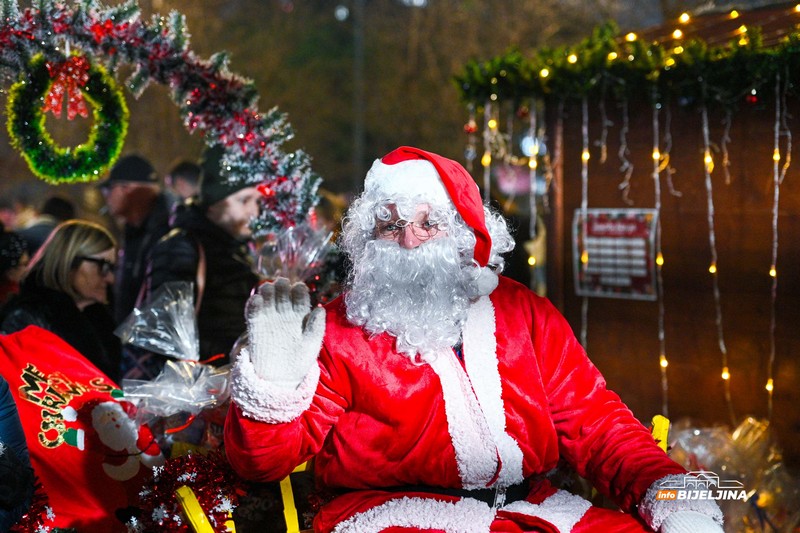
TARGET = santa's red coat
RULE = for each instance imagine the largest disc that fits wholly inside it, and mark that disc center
(524, 395)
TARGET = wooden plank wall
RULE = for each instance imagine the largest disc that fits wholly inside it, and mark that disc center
(623, 334)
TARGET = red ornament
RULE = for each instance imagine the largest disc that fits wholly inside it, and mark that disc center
(68, 78)
(101, 30)
(751, 99)
(471, 126)
(265, 191)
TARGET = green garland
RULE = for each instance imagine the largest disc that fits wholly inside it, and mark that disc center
(605, 61)
(52, 163)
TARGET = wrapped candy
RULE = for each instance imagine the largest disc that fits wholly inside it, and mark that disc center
(165, 324)
(181, 387)
(187, 401)
(748, 455)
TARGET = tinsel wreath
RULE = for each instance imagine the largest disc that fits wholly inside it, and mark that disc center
(26, 125)
(212, 101)
(211, 478)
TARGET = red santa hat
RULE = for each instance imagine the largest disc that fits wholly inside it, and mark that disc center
(408, 171)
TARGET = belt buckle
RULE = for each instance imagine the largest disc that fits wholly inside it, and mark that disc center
(499, 497)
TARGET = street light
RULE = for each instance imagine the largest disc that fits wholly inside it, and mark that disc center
(342, 13)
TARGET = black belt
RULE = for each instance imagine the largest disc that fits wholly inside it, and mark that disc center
(492, 497)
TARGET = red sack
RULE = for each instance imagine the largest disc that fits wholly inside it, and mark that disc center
(85, 448)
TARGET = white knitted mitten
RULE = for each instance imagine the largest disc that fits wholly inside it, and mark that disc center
(285, 338)
(689, 522)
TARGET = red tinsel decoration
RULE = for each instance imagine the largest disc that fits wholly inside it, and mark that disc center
(40, 516)
(217, 487)
(103, 30)
(68, 78)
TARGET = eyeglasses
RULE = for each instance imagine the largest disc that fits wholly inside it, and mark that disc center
(422, 230)
(105, 266)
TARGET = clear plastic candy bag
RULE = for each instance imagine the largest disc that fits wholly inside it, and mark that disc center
(165, 323)
(184, 405)
(181, 387)
(296, 252)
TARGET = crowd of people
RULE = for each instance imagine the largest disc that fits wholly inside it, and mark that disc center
(434, 394)
(76, 279)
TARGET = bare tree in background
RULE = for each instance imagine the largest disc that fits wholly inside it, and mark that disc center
(301, 58)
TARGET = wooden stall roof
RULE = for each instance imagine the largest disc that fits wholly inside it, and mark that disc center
(720, 27)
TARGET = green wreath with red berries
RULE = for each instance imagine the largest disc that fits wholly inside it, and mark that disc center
(26, 123)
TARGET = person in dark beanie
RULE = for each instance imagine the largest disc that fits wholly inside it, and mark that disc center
(56, 209)
(208, 246)
(14, 259)
(183, 179)
(137, 204)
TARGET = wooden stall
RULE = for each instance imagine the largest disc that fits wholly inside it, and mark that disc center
(694, 120)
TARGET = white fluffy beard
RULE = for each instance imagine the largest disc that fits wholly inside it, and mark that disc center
(419, 295)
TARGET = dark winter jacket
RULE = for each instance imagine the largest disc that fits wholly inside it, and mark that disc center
(16, 474)
(90, 332)
(136, 245)
(229, 276)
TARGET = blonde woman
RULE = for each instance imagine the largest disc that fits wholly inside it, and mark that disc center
(65, 291)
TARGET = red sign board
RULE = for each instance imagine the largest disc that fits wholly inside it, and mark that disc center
(614, 253)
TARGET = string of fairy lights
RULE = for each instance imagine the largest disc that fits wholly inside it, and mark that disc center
(497, 148)
(779, 173)
(584, 213)
(659, 164)
(708, 168)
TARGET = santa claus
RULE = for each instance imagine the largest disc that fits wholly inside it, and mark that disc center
(435, 394)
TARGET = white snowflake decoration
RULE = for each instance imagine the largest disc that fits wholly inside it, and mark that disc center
(225, 505)
(134, 526)
(160, 514)
(187, 476)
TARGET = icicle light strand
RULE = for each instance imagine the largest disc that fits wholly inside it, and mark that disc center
(708, 167)
(626, 167)
(668, 149)
(604, 123)
(662, 347)
(584, 209)
(486, 160)
(726, 138)
(533, 163)
(778, 174)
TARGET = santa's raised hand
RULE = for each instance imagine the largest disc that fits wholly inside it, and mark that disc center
(285, 338)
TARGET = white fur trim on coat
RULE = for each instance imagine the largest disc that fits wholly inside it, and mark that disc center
(476, 452)
(464, 516)
(262, 400)
(486, 281)
(480, 359)
(415, 177)
(562, 509)
(654, 511)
